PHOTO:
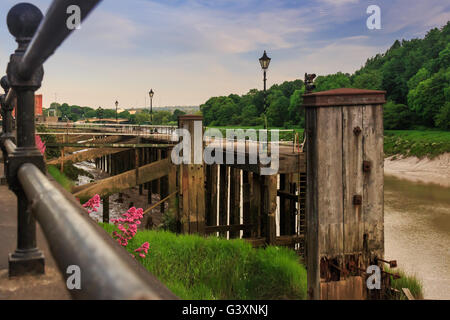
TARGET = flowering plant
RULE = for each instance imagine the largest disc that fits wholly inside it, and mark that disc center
(128, 228)
(92, 204)
(40, 144)
(127, 225)
(143, 249)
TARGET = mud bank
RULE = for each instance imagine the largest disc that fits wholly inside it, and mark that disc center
(436, 171)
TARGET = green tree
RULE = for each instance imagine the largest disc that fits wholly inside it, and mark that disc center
(278, 110)
(370, 80)
(296, 110)
(443, 117)
(397, 116)
(333, 81)
(142, 117)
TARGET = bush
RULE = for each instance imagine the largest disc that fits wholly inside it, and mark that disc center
(442, 119)
(195, 267)
(397, 116)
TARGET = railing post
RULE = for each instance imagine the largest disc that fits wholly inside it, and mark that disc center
(23, 21)
(6, 110)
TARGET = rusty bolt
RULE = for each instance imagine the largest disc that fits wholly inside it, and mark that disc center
(357, 131)
(357, 200)
(367, 166)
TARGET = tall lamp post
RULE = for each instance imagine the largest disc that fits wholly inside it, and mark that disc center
(265, 61)
(117, 104)
(151, 94)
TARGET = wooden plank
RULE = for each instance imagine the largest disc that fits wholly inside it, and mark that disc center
(352, 161)
(105, 201)
(231, 228)
(329, 181)
(214, 195)
(172, 187)
(271, 194)
(408, 294)
(211, 195)
(288, 240)
(125, 180)
(83, 156)
(373, 203)
(255, 204)
(223, 196)
(246, 200)
(235, 188)
(312, 214)
(283, 215)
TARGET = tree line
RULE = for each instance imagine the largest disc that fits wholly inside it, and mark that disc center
(415, 74)
(75, 113)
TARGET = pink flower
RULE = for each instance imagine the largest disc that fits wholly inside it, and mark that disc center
(92, 204)
(40, 144)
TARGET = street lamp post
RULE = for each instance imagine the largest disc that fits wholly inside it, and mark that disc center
(265, 61)
(151, 93)
(117, 104)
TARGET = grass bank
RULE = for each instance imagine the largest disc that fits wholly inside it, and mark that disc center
(406, 281)
(195, 267)
(61, 178)
(418, 143)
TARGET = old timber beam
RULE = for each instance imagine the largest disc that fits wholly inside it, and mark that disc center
(125, 180)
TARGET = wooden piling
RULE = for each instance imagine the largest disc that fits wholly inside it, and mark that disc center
(193, 178)
(223, 197)
(105, 201)
(344, 202)
(235, 205)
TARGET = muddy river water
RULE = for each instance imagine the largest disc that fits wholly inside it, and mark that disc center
(417, 232)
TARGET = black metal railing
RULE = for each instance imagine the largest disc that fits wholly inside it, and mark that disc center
(107, 271)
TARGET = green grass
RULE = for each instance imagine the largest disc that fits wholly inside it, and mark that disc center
(406, 281)
(419, 143)
(61, 178)
(195, 267)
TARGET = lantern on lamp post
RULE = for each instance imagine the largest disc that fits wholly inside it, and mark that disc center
(265, 62)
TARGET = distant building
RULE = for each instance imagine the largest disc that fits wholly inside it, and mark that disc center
(37, 105)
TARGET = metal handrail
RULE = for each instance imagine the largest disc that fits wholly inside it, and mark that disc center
(107, 270)
(73, 239)
(9, 147)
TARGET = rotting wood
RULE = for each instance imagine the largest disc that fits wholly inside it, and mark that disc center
(125, 180)
(83, 156)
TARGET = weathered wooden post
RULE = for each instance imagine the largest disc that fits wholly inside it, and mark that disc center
(193, 178)
(105, 201)
(345, 220)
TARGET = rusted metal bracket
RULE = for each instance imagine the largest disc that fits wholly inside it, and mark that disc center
(392, 263)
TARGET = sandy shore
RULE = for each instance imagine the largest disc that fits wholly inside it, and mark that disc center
(436, 171)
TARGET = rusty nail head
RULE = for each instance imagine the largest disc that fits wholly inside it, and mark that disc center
(357, 131)
(357, 200)
(367, 166)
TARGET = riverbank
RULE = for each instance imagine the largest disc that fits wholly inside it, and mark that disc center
(425, 170)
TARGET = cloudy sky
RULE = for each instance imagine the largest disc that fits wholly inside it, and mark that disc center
(190, 50)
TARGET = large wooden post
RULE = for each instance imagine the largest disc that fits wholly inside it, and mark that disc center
(345, 222)
(193, 178)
